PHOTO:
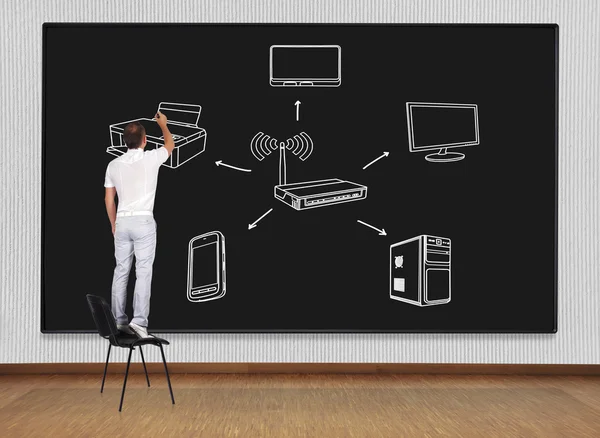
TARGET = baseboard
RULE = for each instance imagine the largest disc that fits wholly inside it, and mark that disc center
(307, 368)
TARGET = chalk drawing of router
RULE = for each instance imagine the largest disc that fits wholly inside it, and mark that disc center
(309, 194)
(189, 138)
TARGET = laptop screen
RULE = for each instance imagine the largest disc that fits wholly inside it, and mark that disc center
(305, 62)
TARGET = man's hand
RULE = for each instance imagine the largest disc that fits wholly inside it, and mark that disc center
(161, 119)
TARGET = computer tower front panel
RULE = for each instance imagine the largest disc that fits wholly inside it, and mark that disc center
(437, 274)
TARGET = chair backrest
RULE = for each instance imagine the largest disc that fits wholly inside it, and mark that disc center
(103, 317)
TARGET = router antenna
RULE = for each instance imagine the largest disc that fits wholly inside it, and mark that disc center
(282, 165)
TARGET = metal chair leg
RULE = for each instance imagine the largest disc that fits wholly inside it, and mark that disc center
(105, 368)
(125, 381)
(167, 372)
(144, 362)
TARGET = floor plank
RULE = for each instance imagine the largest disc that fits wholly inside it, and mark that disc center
(281, 405)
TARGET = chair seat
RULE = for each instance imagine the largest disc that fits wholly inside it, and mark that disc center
(128, 341)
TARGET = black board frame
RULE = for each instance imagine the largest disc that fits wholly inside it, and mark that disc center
(49, 25)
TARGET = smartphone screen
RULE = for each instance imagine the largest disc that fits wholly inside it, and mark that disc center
(205, 267)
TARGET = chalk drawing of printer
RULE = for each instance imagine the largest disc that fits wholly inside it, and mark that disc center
(182, 121)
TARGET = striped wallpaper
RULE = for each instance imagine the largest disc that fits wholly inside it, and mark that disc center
(578, 338)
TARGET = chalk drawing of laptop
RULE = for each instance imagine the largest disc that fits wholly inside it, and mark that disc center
(305, 66)
(182, 121)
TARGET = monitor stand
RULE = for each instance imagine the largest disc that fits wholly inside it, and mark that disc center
(443, 156)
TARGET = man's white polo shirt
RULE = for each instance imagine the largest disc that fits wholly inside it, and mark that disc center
(135, 175)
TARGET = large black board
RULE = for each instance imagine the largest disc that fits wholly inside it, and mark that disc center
(319, 269)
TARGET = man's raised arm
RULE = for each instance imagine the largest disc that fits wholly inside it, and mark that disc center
(161, 119)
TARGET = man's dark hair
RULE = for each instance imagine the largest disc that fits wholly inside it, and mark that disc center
(134, 135)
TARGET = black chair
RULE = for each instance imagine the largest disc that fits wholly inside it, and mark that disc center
(107, 328)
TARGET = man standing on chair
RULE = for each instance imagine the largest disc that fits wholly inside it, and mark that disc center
(133, 177)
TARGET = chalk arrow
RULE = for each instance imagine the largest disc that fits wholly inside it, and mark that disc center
(253, 224)
(297, 110)
(381, 232)
(385, 154)
(220, 163)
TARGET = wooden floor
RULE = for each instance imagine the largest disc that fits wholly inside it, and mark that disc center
(256, 405)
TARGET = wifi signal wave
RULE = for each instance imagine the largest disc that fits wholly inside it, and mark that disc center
(262, 145)
(300, 145)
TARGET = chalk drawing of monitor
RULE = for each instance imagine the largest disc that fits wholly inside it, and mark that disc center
(305, 66)
(442, 126)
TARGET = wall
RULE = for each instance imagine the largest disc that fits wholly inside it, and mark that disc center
(578, 337)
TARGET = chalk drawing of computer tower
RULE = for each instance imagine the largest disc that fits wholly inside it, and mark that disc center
(420, 270)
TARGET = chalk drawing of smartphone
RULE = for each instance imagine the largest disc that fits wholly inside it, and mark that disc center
(206, 267)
